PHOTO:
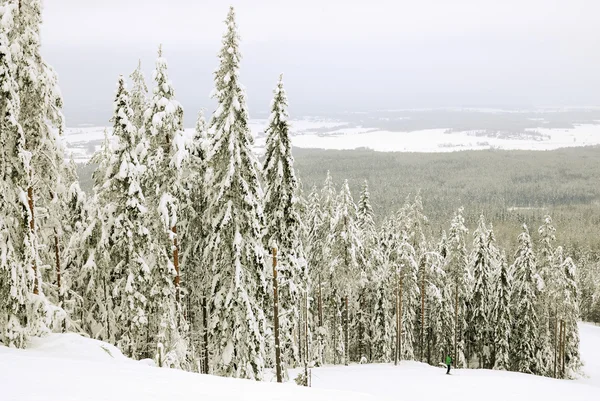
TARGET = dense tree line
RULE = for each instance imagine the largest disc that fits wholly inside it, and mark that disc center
(171, 256)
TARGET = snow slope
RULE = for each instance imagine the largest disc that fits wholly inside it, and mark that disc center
(68, 367)
(589, 335)
(424, 382)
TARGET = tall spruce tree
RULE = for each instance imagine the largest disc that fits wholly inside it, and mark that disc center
(234, 252)
(345, 246)
(501, 316)
(163, 188)
(483, 262)
(129, 237)
(525, 336)
(457, 282)
(370, 260)
(283, 223)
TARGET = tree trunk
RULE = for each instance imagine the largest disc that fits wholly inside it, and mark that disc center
(346, 334)
(58, 283)
(276, 319)
(205, 328)
(555, 343)
(32, 231)
(400, 289)
(320, 303)
(456, 325)
(176, 262)
(422, 311)
(397, 347)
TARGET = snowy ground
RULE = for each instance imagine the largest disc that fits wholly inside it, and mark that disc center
(329, 134)
(67, 367)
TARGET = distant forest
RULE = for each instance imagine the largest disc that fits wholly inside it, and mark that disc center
(509, 187)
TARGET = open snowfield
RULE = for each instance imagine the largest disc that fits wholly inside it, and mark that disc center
(327, 134)
(67, 367)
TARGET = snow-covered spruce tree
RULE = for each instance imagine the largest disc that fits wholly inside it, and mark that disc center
(139, 96)
(345, 247)
(369, 261)
(568, 311)
(483, 263)
(162, 187)
(283, 224)
(457, 282)
(193, 233)
(524, 349)
(418, 222)
(329, 306)
(33, 119)
(19, 301)
(234, 252)
(501, 316)
(436, 310)
(384, 325)
(548, 270)
(59, 223)
(316, 237)
(128, 235)
(447, 314)
(92, 282)
(408, 295)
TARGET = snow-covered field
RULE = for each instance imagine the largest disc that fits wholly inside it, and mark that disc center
(67, 367)
(329, 134)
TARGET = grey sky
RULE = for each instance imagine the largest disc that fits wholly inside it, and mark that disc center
(336, 54)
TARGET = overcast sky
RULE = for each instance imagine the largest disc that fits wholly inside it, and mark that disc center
(336, 54)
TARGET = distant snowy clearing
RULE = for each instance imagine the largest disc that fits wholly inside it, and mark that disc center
(326, 134)
(68, 367)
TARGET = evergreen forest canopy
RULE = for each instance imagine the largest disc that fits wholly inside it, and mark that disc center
(172, 256)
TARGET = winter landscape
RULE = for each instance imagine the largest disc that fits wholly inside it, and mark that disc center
(364, 251)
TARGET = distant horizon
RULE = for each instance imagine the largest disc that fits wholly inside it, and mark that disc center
(336, 56)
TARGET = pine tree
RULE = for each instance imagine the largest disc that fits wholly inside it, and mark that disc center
(162, 186)
(17, 255)
(568, 312)
(345, 245)
(483, 262)
(525, 334)
(316, 237)
(32, 120)
(129, 237)
(283, 223)
(457, 282)
(234, 252)
(193, 233)
(139, 96)
(548, 271)
(369, 260)
(501, 316)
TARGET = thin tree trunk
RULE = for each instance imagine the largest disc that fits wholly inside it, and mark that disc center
(555, 343)
(320, 303)
(397, 348)
(347, 335)
(58, 277)
(176, 262)
(422, 311)
(401, 290)
(306, 337)
(32, 231)
(205, 328)
(276, 319)
(456, 325)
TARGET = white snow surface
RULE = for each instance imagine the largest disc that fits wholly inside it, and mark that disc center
(68, 367)
(329, 134)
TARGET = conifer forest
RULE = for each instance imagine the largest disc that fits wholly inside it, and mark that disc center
(202, 256)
